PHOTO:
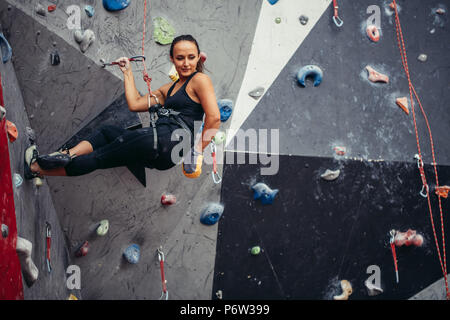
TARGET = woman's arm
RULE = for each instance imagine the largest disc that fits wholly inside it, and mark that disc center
(136, 102)
(204, 90)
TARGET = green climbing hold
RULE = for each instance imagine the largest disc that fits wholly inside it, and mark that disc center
(256, 250)
(278, 20)
(163, 32)
(103, 227)
(219, 138)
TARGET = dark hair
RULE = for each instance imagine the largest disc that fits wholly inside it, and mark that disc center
(187, 37)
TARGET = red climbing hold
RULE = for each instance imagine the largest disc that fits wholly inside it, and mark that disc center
(375, 76)
(408, 238)
(83, 249)
(403, 103)
(373, 33)
(51, 8)
(442, 191)
(168, 199)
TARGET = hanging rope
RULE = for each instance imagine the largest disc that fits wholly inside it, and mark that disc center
(146, 77)
(425, 187)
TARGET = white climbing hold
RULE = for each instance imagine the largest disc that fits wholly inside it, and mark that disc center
(330, 175)
(29, 269)
(103, 227)
(40, 9)
(85, 39)
(422, 57)
(256, 93)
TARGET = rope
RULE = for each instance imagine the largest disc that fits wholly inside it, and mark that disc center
(146, 77)
(412, 90)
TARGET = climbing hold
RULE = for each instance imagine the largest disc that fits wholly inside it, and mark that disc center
(83, 249)
(440, 11)
(219, 294)
(163, 32)
(132, 254)
(211, 214)
(442, 191)
(432, 31)
(330, 175)
(89, 11)
(29, 269)
(219, 138)
(2, 113)
(277, 20)
(173, 74)
(12, 131)
(310, 71)
(346, 291)
(255, 250)
(256, 93)
(5, 231)
(340, 151)
(6, 48)
(168, 199)
(103, 227)
(422, 57)
(203, 56)
(115, 5)
(51, 8)
(37, 182)
(54, 58)
(272, 2)
(72, 297)
(392, 5)
(40, 9)
(18, 180)
(85, 39)
(408, 238)
(372, 289)
(373, 33)
(375, 76)
(264, 192)
(403, 103)
(303, 19)
(226, 108)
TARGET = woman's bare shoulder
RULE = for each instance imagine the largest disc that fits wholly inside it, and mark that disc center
(165, 88)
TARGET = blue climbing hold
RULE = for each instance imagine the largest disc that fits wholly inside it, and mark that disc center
(211, 214)
(310, 71)
(115, 5)
(132, 254)
(272, 2)
(6, 48)
(89, 11)
(226, 108)
(264, 192)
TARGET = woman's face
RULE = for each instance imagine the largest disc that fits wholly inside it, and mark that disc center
(185, 58)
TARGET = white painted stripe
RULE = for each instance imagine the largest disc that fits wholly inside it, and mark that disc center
(273, 46)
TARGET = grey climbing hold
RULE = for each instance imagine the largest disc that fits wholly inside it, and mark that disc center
(40, 9)
(330, 175)
(5, 231)
(422, 57)
(132, 254)
(89, 11)
(303, 19)
(30, 134)
(18, 180)
(256, 93)
(163, 32)
(85, 39)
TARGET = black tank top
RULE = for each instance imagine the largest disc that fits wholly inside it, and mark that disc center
(189, 110)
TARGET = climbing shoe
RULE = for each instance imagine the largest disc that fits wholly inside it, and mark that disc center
(31, 155)
(54, 160)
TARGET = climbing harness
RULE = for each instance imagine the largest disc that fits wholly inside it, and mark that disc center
(392, 242)
(425, 189)
(165, 293)
(135, 59)
(48, 235)
(215, 175)
(337, 21)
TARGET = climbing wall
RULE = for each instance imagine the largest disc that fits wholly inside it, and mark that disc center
(318, 232)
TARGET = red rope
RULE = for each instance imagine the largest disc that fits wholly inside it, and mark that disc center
(146, 77)
(402, 48)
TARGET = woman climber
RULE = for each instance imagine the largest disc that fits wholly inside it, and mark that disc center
(177, 105)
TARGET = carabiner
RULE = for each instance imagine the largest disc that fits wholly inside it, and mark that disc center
(214, 175)
(160, 254)
(392, 233)
(338, 21)
(137, 58)
(425, 195)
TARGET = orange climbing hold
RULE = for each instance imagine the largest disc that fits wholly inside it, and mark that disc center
(392, 6)
(375, 76)
(373, 33)
(403, 103)
(442, 191)
(12, 131)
